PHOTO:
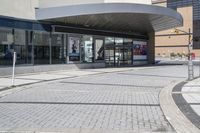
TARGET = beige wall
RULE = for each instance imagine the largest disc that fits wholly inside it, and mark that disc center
(175, 40)
(18, 8)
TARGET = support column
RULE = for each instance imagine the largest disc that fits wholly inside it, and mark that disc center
(151, 48)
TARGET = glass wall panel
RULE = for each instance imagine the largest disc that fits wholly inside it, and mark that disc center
(118, 41)
(109, 41)
(20, 46)
(119, 55)
(139, 50)
(41, 48)
(109, 51)
(30, 47)
(99, 49)
(128, 46)
(87, 49)
(74, 49)
(57, 49)
(6, 46)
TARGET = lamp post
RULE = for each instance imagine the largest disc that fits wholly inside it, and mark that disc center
(190, 63)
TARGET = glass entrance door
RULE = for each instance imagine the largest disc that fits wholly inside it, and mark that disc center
(127, 56)
(109, 57)
(119, 56)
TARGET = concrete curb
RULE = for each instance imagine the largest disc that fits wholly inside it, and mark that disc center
(173, 114)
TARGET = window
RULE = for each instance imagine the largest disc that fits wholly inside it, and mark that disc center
(6, 46)
(41, 48)
(20, 46)
(74, 49)
(99, 49)
(57, 49)
(87, 49)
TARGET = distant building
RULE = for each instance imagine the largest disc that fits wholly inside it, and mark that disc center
(167, 42)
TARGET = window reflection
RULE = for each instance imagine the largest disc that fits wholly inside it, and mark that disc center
(41, 48)
(99, 49)
(57, 49)
(6, 46)
(87, 49)
(20, 46)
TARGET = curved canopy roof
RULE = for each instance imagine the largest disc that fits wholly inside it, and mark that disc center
(120, 17)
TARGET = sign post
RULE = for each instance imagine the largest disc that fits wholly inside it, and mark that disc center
(13, 72)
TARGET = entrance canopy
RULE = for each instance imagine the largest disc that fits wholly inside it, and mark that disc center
(119, 17)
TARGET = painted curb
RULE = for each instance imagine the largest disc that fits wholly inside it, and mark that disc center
(173, 114)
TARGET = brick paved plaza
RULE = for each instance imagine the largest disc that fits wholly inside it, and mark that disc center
(117, 101)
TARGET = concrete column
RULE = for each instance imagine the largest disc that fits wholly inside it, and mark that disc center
(151, 48)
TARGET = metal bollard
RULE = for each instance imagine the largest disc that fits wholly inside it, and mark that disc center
(13, 72)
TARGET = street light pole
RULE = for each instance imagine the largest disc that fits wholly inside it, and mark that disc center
(190, 63)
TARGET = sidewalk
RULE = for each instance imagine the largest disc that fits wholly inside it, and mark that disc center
(186, 96)
(191, 95)
(30, 78)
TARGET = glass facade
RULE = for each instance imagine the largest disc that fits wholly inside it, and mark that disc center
(87, 49)
(121, 51)
(6, 46)
(57, 49)
(174, 4)
(36, 45)
(41, 48)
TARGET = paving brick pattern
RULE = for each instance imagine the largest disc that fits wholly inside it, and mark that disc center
(116, 101)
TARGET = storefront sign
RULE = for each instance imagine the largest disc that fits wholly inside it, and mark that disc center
(74, 49)
(139, 50)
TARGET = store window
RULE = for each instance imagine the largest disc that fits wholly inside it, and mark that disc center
(87, 49)
(41, 48)
(20, 46)
(6, 46)
(128, 51)
(118, 41)
(74, 49)
(109, 41)
(139, 50)
(99, 49)
(57, 49)
(109, 51)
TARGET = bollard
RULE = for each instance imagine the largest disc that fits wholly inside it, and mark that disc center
(13, 72)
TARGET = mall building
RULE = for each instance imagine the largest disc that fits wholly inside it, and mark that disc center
(83, 33)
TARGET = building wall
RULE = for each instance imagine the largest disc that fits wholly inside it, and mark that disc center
(24, 9)
(167, 41)
(55, 3)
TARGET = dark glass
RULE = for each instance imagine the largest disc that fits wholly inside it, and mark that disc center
(109, 51)
(74, 48)
(87, 49)
(20, 46)
(99, 49)
(41, 48)
(6, 46)
(57, 49)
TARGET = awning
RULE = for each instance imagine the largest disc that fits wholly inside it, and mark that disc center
(119, 17)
